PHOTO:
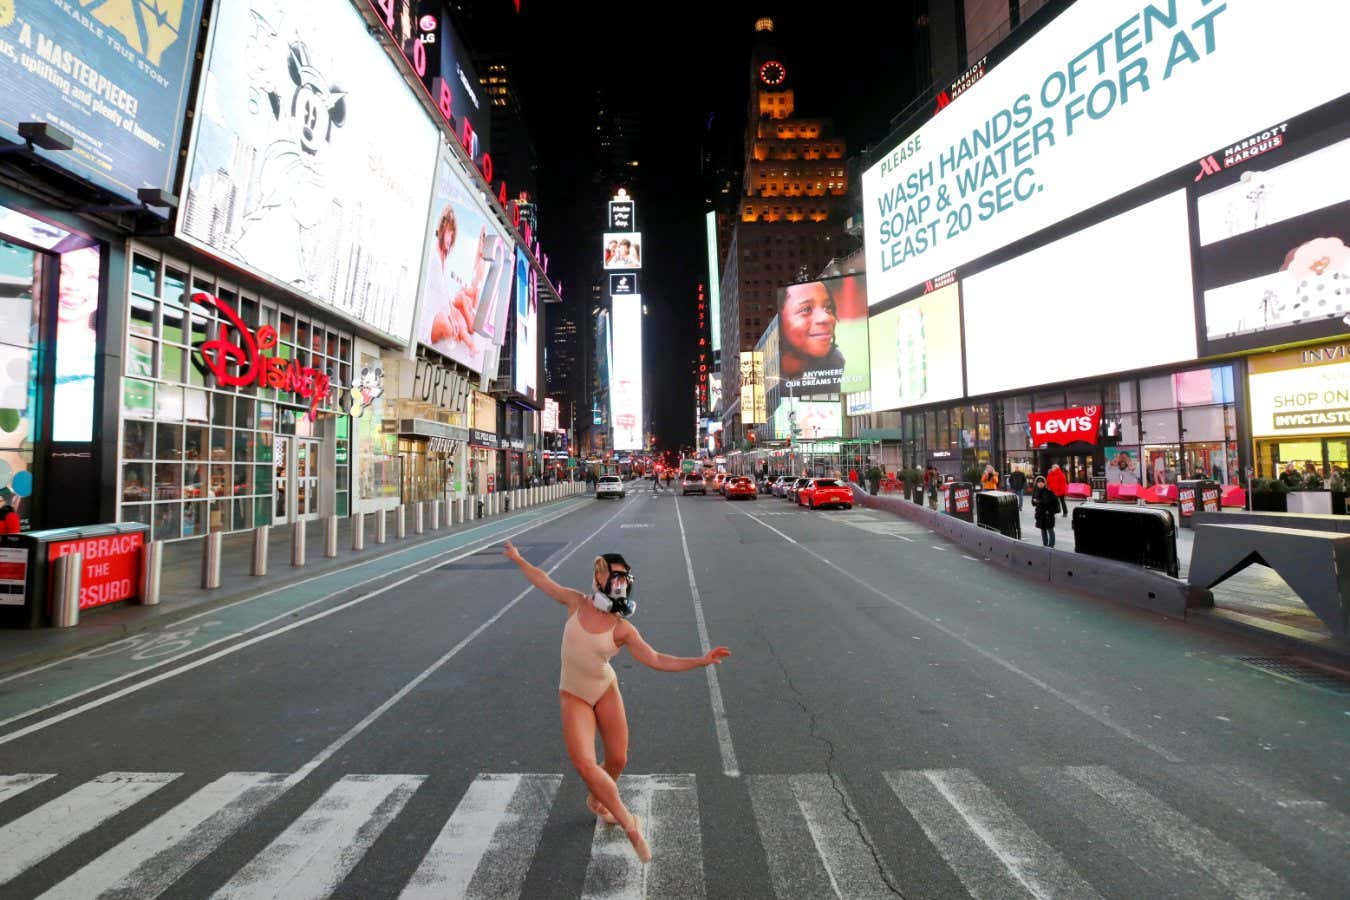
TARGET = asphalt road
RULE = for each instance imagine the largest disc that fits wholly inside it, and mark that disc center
(895, 720)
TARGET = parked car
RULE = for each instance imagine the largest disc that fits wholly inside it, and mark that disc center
(823, 492)
(765, 484)
(794, 486)
(739, 487)
(716, 480)
(780, 486)
(609, 486)
(693, 483)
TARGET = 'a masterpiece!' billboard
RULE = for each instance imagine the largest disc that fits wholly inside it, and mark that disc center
(466, 277)
(114, 77)
(823, 328)
(1110, 95)
(312, 161)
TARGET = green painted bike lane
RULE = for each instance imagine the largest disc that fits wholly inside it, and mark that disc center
(34, 690)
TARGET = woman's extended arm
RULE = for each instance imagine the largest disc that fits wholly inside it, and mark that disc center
(628, 636)
(537, 577)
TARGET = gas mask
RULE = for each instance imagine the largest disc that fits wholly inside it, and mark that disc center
(616, 596)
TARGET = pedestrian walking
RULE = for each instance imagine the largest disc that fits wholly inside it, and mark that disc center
(588, 691)
(853, 475)
(989, 480)
(1017, 483)
(1046, 504)
(1058, 484)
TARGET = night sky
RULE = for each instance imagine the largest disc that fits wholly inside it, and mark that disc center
(856, 68)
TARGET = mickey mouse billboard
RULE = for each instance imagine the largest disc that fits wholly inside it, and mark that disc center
(312, 162)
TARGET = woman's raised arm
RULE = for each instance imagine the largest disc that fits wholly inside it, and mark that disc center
(537, 577)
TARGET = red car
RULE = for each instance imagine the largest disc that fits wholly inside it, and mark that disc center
(740, 487)
(822, 492)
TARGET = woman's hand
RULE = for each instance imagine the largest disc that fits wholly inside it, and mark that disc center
(512, 553)
(715, 655)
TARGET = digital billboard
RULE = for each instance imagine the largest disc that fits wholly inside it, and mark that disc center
(625, 382)
(1127, 280)
(623, 249)
(112, 78)
(526, 354)
(312, 162)
(806, 419)
(916, 351)
(823, 336)
(752, 387)
(1056, 128)
(1274, 259)
(714, 280)
(466, 276)
(623, 283)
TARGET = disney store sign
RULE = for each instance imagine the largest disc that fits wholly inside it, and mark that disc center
(238, 358)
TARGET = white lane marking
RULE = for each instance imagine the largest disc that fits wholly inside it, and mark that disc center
(730, 766)
(984, 843)
(901, 537)
(234, 648)
(215, 610)
(312, 856)
(32, 838)
(971, 558)
(1172, 834)
(14, 785)
(152, 859)
(936, 547)
(668, 807)
(770, 527)
(489, 840)
(1097, 715)
(303, 772)
(1279, 803)
(814, 840)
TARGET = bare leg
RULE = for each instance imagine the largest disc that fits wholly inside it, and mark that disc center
(578, 721)
(612, 721)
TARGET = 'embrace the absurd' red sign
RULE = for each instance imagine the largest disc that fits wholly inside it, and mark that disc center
(111, 566)
(1064, 426)
(241, 362)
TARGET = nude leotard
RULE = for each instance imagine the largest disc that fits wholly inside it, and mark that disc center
(586, 672)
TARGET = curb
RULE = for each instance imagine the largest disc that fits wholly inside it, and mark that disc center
(1152, 592)
(175, 610)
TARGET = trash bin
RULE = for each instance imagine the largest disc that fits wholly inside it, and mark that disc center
(1140, 535)
(1198, 495)
(997, 511)
(960, 500)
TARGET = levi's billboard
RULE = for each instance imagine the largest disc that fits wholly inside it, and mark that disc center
(1109, 95)
(1065, 426)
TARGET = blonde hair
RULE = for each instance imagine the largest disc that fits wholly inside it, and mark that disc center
(601, 567)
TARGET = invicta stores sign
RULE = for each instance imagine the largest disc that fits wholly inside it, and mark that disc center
(1301, 392)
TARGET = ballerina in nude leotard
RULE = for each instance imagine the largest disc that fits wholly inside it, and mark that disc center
(588, 691)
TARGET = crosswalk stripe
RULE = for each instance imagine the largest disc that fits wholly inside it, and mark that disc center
(1151, 833)
(668, 806)
(816, 844)
(151, 860)
(992, 851)
(486, 847)
(312, 856)
(1292, 813)
(31, 838)
(14, 785)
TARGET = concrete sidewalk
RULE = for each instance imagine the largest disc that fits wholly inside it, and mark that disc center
(181, 594)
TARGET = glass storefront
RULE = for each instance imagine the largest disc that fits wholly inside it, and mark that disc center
(196, 456)
(1155, 430)
(20, 322)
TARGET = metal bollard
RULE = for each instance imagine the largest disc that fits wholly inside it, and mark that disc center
(211, 545)
(436, 515)
(66, 590)
(478, 507)
(400, 521)
(262, 538)
(330, 529)
(381, 524)
(419, 518)
(298, 544)
(358, 531)
(152, 565)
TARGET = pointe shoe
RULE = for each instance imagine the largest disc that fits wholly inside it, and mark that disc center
(644, 853)
(601, 813)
